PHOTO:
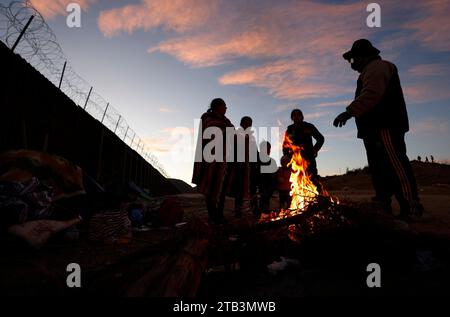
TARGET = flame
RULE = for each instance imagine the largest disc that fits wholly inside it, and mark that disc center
(303, 190)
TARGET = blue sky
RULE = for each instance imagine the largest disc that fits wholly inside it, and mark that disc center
(161, 62)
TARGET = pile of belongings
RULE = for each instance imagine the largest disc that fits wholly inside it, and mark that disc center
(30, 183)
(43, 194)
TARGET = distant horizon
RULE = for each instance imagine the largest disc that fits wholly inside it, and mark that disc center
(447, 163)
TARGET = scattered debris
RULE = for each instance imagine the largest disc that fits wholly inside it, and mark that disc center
(278, 266)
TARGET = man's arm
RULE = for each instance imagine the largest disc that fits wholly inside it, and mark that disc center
(374, 80)
(320, 140)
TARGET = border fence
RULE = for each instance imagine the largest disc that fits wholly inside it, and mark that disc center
(24, 30)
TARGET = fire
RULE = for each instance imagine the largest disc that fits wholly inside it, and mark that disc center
(303, 191)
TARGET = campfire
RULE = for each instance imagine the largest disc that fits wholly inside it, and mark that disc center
(304, 192)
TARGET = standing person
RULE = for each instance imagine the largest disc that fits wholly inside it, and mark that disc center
(267, 177)
(210, 176)
(283, 182)
(381, 118)
(432, 158)
(301, 133)
(244, 185)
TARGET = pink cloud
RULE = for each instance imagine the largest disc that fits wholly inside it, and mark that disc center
(417, 93)
(296, 53)
(316, 115)
(340, 103)
(52, 8)
(429, 70)
(431, 126)
(279, 30)
(295, 45)
(287, 79)
(157, 144)
(433, 28)
(210, 49)
(166, 110)
(176, 15)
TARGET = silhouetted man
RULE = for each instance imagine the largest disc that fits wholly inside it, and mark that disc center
(302, 133)
(267, 179)
(381, 118)
(244, 183)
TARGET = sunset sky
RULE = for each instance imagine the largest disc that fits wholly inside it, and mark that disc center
(161, 62)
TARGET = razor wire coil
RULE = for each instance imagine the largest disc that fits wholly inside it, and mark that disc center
(40, 48)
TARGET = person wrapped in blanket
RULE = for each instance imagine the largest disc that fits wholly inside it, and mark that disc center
(210, 173)
(244, 167)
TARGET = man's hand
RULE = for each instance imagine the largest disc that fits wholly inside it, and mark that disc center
(341, 119)
(315, 152)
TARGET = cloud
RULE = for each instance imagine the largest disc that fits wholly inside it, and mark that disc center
(430, 126)
(283, 108)
(158, 144)
(340, 103)
(207, 50)
(273, 30)
(295, 47)
(432, 28)
(316, 115)
(52, 8)
(174, 15)
(178, 130)
(428, 70)
(421, 92)
(166, 110)
(286, 79)
(169, 139)
(296, 55)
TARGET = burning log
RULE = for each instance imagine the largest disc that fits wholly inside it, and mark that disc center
(322, 211)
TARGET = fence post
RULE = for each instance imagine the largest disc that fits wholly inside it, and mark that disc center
(22, 33)
(132, 140)
(137, 148)
(117, 124)
(128, 127)
(62, 74)
(104, 113)
(87, 99)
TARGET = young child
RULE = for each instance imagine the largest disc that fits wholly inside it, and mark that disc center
(283, 183)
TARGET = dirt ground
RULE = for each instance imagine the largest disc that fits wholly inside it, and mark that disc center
(436, 201)
(415, 261)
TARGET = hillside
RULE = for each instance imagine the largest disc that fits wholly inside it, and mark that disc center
(427, 174)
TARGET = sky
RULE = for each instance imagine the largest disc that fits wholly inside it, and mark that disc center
(160, 63)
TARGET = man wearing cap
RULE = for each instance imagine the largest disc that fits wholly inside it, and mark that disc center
(381, 118)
